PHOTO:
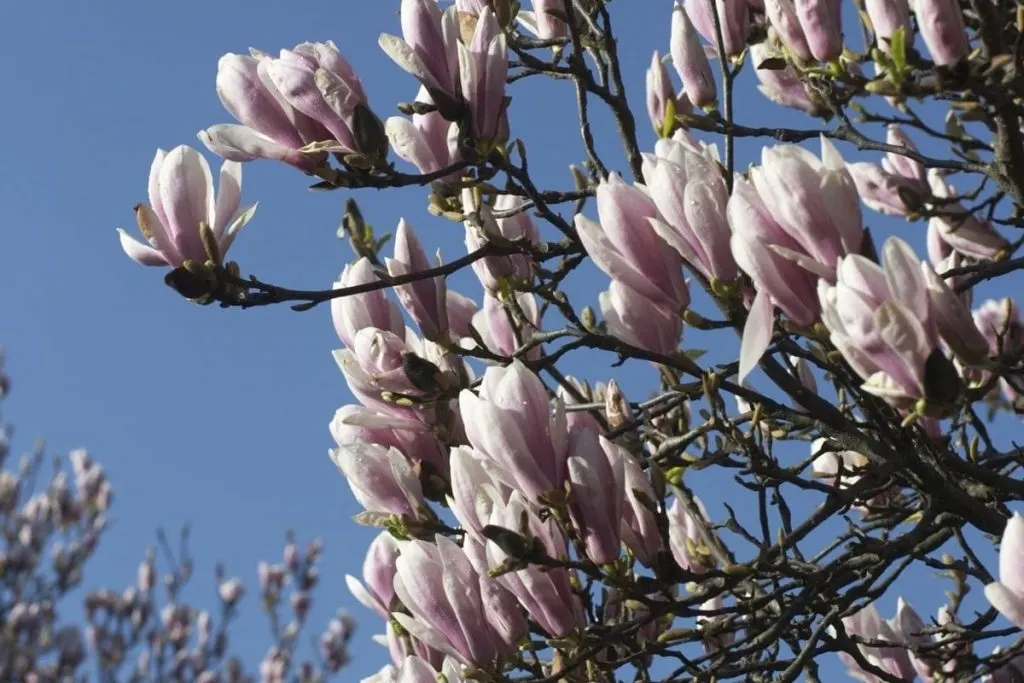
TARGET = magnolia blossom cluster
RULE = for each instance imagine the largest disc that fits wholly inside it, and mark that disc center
(801, 36)
(907, 647)
(521, 462)
(506, 458)
(501, 501)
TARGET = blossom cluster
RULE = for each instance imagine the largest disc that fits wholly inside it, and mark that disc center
(502, 502)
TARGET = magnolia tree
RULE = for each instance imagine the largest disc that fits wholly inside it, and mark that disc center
(747, 518)
(52, 519)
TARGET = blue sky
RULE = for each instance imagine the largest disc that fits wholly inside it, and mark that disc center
(217, 416)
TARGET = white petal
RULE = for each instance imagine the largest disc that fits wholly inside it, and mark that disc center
(140, 253)
(229, 195)
(757, 334)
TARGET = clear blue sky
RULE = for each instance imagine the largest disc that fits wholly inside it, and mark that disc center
(197, 413)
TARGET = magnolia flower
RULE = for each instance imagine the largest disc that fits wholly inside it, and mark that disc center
(887, 16)
(428, 141)
(663, 104)
(512, 425)
(782, 86)
(1000, 324)
(353, 424)
(355, 312)
(483, 65)
(382, 480)
(733, 17)
(897, 185)
(626, 247)
(294, 108)
(546, 594)
(453, 608)
(482, 226)
(868, 625)
(503, 327)
(639, 527)
(636, 320)
(597, 480)
(690, 194)
(427, 48)
(1007, 594)
(545, 21)
(961, 230)
(425, 300)
(379, 569)
(887, 321)
(791, 224)
(476, 489)
(182, 205)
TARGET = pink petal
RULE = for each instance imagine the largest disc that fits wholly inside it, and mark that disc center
(757, 334)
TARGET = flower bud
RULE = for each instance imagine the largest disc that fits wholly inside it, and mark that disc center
(686, 541)
(732, 15)
(367, 310)
(942, 28)
(425, 300)
(888, 16)
(690, 60)
(596, 475)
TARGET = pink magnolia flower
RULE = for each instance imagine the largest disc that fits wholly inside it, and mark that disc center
(511, 424)
(690, 194)
(636, 320)
(791, 224)
(869, 625)
(426, 300)
(427, 141)
(888, 320)
(962, 231)
(379, 569)
(597, 479)
(546, 594)
(545, 20)
(782, 86)
(626, 247)
(291, 108)
(454, 609)
(887, 16)
(1007, 594)
(355, 312)
(639, 528)
(382, 479)
(181, 200)
(686, 541)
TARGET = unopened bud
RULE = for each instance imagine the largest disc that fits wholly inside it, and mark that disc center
(616, 406)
